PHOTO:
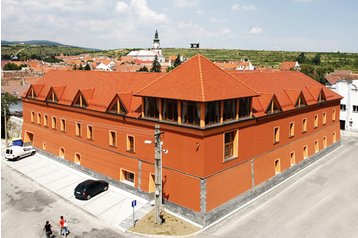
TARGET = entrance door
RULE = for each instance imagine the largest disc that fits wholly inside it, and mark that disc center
(342, 124)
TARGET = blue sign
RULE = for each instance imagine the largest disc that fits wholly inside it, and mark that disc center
(134, 203)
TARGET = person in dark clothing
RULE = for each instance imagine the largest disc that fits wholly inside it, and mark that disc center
(48, 229)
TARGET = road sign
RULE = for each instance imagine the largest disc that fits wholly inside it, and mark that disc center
(134, 203)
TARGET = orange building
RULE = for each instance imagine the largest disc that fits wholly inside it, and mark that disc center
(229, 135)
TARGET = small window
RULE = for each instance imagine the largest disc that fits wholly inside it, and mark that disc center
(54, 123)
(324, 142)
(33, 117)
(130, 143)
(44, 145)
(39, 118)
(112, 138)
(316, 121)
(46, 120)
(334, 137)
(276, 135)
(333, 114)
(89, 132)
(78, 129)
(230, 145)
(292, 129)
(355, 108)
(343, 107)
(292, 158)
(305, 152)
(316, 146)
(304, 125)
(61, 152)
(127, 177)
(324, 118)
(63, 125)
(277, 165)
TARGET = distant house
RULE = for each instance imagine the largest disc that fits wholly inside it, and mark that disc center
(345, 83)
(288, 65)
(245, 65)
(103, 67)
(226, 65)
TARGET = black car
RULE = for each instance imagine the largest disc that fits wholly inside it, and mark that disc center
(90, 188)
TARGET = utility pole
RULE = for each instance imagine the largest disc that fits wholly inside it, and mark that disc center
(5, 126)
(158, 175)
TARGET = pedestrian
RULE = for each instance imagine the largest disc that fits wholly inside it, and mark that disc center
(63, 227)
(48, 229)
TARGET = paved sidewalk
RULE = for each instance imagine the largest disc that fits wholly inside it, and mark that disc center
(112, 206)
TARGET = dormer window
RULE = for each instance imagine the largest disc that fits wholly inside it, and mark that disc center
(273, 106)
(321, 97)
(32, 93)
(52, 97)
(117, 107)
(301, 101)
(80, 101)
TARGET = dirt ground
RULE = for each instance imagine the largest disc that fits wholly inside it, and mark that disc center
(172, 226)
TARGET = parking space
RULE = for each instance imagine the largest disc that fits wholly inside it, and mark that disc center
(112, 206)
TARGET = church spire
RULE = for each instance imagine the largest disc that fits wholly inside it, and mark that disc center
(156, 41)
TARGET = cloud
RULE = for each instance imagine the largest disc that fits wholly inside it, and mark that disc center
(215, 20)
(302, 0)
(255, 30)
(238, 7)
(121, 6)
(249, 7)
(235, 7)
(185, 3)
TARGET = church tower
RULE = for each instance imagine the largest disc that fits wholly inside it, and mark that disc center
(156, 44)
(156, 41)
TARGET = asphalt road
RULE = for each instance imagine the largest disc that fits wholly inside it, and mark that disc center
(321, 201)
(26, 205)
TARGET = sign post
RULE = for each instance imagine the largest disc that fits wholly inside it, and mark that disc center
(134, 203)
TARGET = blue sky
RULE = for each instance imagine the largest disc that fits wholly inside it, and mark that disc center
(295, 25)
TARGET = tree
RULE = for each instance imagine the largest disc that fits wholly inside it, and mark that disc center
(301, 58)
(156, 67)
(316, 59)
(12, 66)
(87, 67)
(143, 69)
(177, 61)
(6, 100)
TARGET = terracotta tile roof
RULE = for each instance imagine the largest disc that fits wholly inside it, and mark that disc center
(287, 65)
(287, 86)
(226, 66)
(333, 77)
(99, 88)
(198, 79)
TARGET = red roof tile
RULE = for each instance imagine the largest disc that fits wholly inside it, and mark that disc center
(286, 85)
(199, 80)
(103, 86)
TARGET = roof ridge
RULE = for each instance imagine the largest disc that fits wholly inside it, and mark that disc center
(201, 79)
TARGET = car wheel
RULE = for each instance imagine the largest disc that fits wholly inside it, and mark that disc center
(17, 158)
(88, 197)
(33, 152)
(105, 188)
